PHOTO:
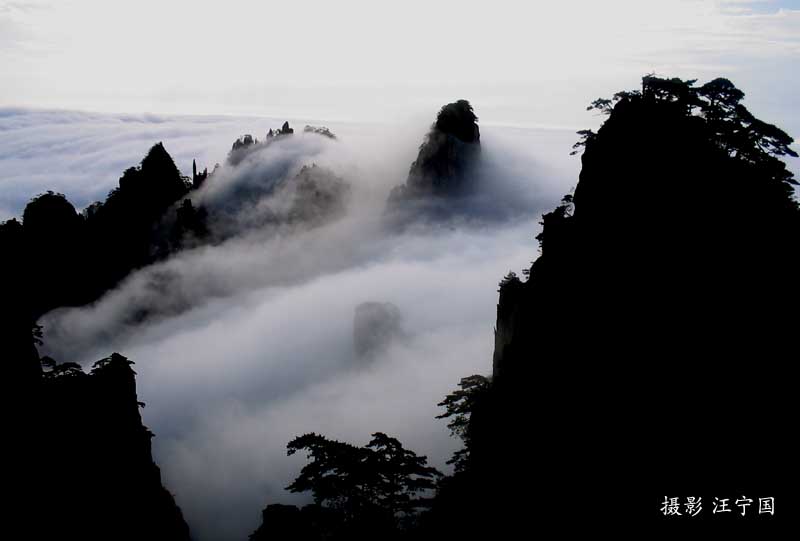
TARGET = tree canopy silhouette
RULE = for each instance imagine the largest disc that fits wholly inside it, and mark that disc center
(369, 492)
(459, 406)
(382, 475)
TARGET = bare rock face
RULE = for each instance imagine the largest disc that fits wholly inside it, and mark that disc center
(446, 156)
(445, 174)
(375, 326)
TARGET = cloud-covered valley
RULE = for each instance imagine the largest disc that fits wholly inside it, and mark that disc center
(249, 340)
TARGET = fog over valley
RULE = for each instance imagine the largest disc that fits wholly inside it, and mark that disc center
(246, 342)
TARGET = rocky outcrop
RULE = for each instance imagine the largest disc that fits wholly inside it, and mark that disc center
(247, 144)
(444, 168)
(198, 179)
(375, 326)
(445, 157)
(319, 130)
(241, 148)
(82, 466)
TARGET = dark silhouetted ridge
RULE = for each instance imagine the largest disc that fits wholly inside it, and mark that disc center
(647, 353)
(80, 466)
(58, 257)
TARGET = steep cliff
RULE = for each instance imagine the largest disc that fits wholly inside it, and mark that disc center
(448, 152)
(645, 355)
(444, 167)
(81, 465)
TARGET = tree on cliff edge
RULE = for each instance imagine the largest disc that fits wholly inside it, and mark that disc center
(637, 359)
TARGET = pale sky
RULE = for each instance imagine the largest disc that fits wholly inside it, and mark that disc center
(521, 63)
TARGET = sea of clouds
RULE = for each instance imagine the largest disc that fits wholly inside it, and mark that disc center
(250, 340)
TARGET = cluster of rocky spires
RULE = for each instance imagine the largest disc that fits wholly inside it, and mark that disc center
(625, 315)
(246, 144)
(248, 140)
